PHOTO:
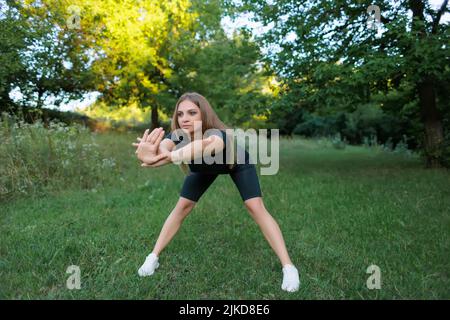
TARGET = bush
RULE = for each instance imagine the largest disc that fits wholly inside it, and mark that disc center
(388, 145)
(370, 141)
(338, 143)
(402, 146)
(367, 125)
(36, 159)
(316, 126)
(445, 151)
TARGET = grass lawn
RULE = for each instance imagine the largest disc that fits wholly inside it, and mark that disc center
(340, 211)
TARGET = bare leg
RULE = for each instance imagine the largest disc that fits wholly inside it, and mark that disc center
(169, 229)
(269, 228)
(272, 233)
(172, 224)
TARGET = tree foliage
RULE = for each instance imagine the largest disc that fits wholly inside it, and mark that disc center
(332, 61)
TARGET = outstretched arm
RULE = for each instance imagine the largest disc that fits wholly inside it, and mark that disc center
(155, 153)
(196, 148)
(188, 152)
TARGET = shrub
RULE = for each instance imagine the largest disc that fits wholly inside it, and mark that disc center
(337, 142)
(37, 159)
(402, 146)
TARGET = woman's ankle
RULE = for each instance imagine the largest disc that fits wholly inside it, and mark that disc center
(155, 253)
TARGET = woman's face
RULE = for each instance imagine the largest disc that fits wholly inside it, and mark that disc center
(187, 113)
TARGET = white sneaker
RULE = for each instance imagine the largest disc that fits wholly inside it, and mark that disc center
(150, 265)
(291, 280)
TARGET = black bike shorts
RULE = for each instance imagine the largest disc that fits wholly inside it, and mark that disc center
(245, 178)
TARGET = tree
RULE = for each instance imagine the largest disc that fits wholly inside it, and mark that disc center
(227, 72)
(12, 69)
(38, 59)
(335, 61)
(150, 52)
(129, 43)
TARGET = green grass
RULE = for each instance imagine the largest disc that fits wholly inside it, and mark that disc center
(339, 210)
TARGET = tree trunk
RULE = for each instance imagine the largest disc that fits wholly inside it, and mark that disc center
(155, 121)
(39, 101)
(432, 120)
(433, 135)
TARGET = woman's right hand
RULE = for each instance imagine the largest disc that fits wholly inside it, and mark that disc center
(147, 148)
(166, 158)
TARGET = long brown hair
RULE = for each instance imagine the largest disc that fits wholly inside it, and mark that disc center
(210, 120)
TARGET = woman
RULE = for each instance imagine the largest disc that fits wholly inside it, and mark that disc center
(193, 116)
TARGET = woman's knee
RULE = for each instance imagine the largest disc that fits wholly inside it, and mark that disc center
(255, 206)
(185, 205)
